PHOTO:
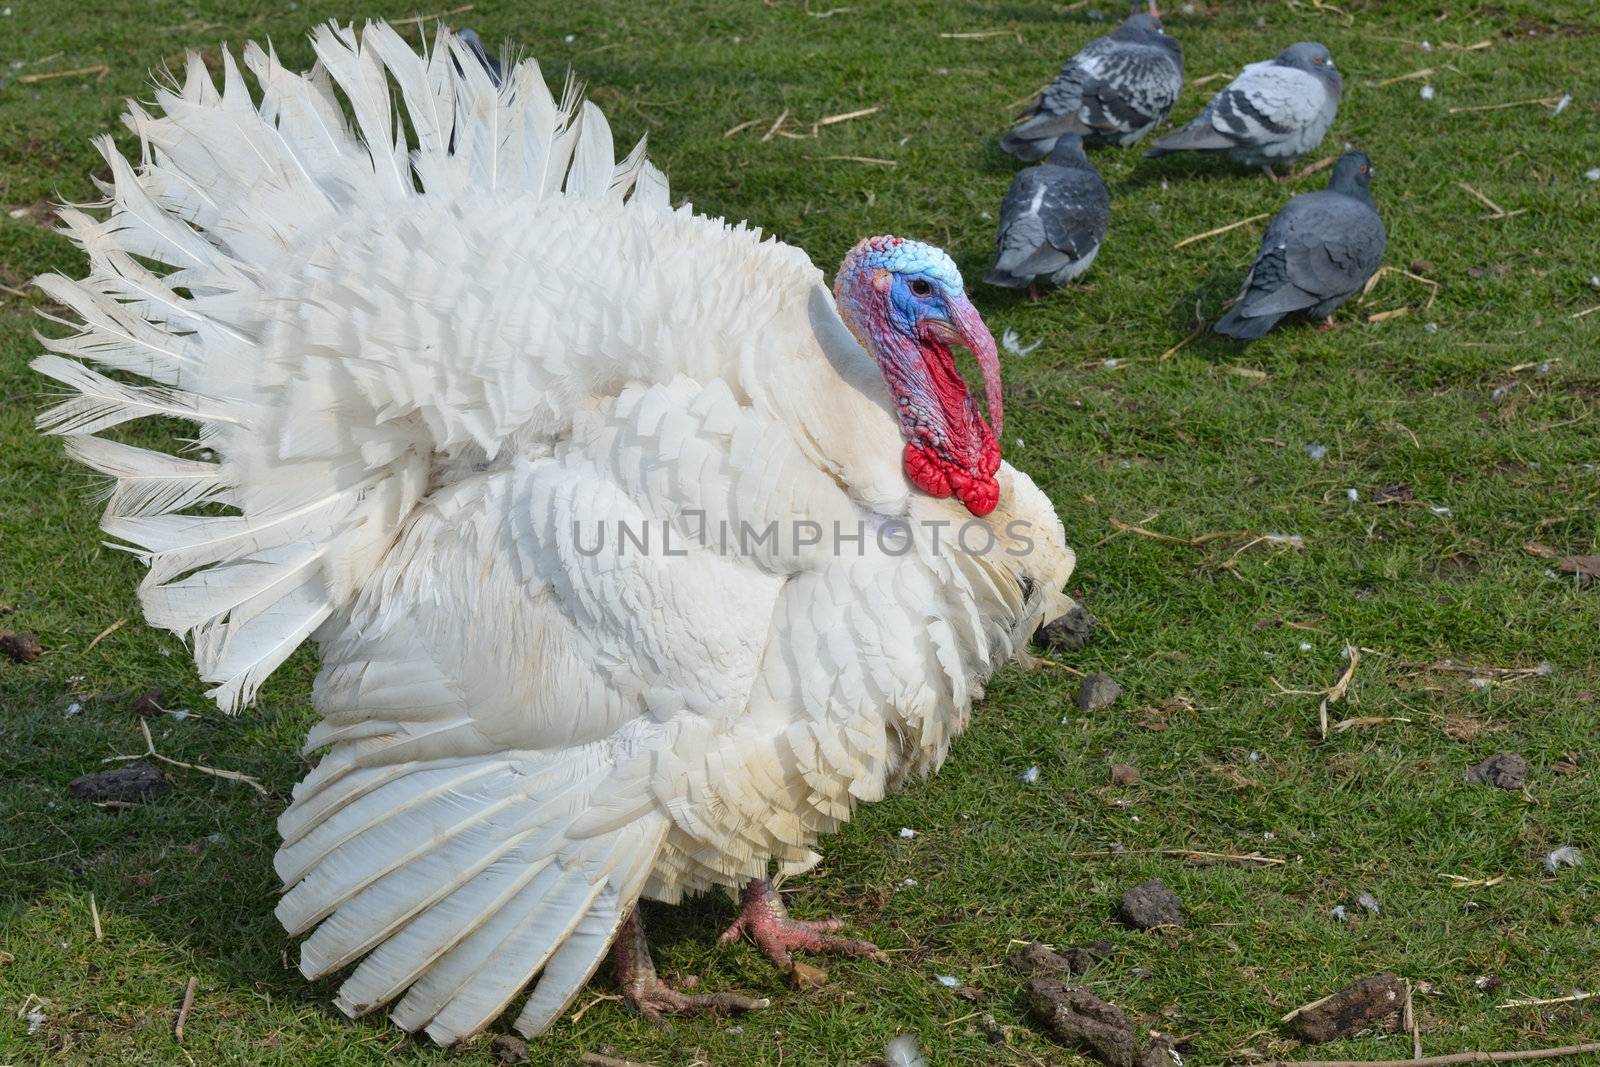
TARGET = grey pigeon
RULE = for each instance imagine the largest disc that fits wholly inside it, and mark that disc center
(1114, 91)
(1272, 112)
(471, 39)
(1317, 253)
(1052, 220)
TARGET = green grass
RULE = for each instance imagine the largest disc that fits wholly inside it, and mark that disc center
(1184, 446)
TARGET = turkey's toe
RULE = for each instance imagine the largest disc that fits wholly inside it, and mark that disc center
(766, 922)
(645, 992)
(658, 1001)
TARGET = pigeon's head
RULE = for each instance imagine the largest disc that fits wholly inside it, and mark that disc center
(1138, 25)
(1068, 151)
(1352, 174)
(1314, 59)
(904, 301)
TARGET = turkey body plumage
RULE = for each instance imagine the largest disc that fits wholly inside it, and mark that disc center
(453, 386)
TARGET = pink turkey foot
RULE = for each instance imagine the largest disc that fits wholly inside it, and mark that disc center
(766, 921)
(645, 992)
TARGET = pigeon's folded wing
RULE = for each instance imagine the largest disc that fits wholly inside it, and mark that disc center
(1127, 88)
(1075, 214)
(1335, 247)
(1265, 104)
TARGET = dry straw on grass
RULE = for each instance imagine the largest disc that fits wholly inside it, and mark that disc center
(151, 753)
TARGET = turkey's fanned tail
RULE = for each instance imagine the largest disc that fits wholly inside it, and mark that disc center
(315, 443)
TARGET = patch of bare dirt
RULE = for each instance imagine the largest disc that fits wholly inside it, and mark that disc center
(1354, 1008)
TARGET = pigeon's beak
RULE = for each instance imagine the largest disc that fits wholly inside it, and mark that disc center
(1153, 12)
(966, 327)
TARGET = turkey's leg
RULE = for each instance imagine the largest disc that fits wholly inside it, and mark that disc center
(766, 921)
(645, 992)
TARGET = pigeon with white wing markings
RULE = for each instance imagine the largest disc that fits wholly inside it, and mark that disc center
(1052, 220)
(1317, 253)
(1114, 91)
(1272, 112)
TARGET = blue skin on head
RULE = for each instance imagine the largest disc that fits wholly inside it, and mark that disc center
(905, 303)
(910, 262)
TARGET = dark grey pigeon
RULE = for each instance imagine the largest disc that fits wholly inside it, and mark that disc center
(1114, 91)
(1272, 112)
(471, 39)
(1317, 253)
(1052, 220)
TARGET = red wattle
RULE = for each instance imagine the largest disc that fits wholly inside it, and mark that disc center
(927, 471)
(980, 497)
(936, 477)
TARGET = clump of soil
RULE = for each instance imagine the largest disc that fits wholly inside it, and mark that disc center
(1355, 1007)
(21, 648)
(1082, 957)
(1508, 770)
(508, 1049)
(1097, 691)
(1033, 960)
(1124, 774)
(1067, 633)
(148, 703)
(133, 783)
(1074, 1016)
(1150, 904)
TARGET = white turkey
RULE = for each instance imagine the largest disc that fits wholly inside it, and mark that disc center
(454, 364)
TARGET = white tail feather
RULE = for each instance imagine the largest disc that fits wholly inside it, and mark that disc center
(592, 157)
(148, 482)
(320, 447)
(102, 403)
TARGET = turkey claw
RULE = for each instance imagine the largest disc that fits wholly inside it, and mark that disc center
(645, 992)
(658, 1001)
(766, 922)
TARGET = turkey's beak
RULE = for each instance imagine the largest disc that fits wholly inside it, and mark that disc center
(966, 327)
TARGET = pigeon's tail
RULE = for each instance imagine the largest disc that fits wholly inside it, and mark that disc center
(1016, 143)
(1241, 327)
(1190, 138)
(1005, 280)
(1035, 137)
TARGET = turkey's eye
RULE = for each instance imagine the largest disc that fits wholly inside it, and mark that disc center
(921, 287)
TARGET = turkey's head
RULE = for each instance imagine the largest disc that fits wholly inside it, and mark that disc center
(905, 303)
